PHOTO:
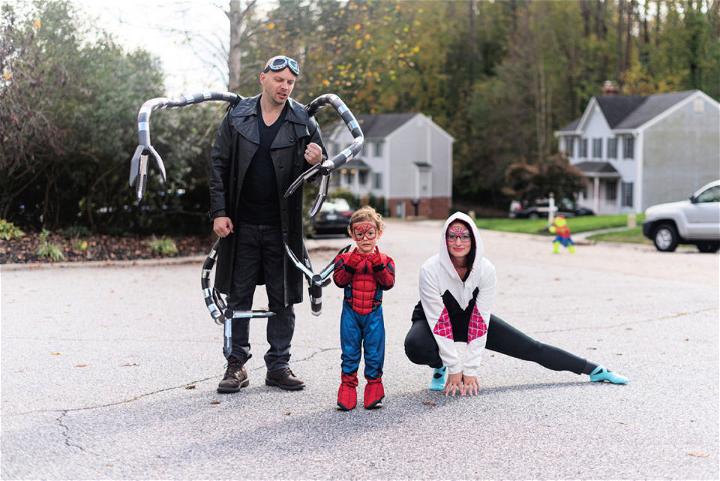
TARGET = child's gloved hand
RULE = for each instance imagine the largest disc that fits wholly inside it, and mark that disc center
(376, 258)
(355, 259)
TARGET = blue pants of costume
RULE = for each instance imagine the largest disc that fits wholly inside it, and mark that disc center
(565, 241)
(362, 331)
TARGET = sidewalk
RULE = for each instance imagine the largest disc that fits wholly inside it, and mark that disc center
(581, 238)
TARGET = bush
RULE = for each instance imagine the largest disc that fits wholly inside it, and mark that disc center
(80, 245)
(163, 246)
(8, 231)
(75, 231)
(48, 249)
(348, 196)
(377, 203)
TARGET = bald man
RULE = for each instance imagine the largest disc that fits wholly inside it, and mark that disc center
(263, 144)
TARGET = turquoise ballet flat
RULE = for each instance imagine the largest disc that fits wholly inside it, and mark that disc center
(601, 374)
(437, 383)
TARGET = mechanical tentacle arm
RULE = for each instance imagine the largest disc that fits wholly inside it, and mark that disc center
(325, 168)
(217, 305)
(145, 151)
(315, 281)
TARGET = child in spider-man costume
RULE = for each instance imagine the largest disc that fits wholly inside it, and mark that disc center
(364, 273)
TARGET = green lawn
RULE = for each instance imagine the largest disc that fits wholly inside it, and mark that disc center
(633, 236)
(539, 226)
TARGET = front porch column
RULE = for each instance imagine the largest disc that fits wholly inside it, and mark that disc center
(356, 184)
(596, 194)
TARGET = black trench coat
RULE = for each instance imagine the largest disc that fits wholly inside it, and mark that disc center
(235, 145)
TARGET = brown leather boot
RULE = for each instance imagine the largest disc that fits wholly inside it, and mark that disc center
(284, 379)
(235, 378)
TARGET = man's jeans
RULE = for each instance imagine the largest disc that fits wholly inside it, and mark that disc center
(261, 247)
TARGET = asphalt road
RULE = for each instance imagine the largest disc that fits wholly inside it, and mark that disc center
(111, 373)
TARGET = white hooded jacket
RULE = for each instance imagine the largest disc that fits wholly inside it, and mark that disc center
(458, 312)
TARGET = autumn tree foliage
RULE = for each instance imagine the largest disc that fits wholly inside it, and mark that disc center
(501, 77)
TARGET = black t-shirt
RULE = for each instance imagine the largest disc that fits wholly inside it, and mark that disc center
(259, 199)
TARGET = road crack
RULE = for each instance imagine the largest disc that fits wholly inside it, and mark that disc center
(64, 412)
(65, 431)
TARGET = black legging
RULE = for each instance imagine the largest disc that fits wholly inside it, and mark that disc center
(421, 348)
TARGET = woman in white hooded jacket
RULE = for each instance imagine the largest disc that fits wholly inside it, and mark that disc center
(457, 291)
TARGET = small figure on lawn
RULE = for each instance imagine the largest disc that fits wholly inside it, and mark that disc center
(562, 235)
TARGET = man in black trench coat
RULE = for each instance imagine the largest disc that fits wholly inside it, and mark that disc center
(263, 144)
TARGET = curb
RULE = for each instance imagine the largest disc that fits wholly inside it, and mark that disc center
(164, 261)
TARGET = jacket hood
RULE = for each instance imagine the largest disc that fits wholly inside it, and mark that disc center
(479, 247)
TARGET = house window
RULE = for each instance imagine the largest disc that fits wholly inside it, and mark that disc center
(627, 194)
(597, 148)
(570, 146)
(363, 177)
(612, 148)
(583, 148)
(377, 178)
(335, 180)
(364, 149)
(348, 177)
(628, 147)
(378, 149)
(611, 191)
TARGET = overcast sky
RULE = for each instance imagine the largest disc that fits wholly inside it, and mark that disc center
(192, 62)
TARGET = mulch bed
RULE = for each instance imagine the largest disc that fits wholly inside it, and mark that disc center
(98, 248)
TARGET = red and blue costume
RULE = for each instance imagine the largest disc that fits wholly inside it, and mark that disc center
(364, 277)
(563, 235)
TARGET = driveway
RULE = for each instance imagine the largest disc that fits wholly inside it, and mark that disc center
(111, 373)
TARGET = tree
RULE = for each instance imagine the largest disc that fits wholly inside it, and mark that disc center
(68, 110)
(527, 182)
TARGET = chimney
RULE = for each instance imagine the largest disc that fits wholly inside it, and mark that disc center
(610, 88)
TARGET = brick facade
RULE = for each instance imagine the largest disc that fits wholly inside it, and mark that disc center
(433, 207)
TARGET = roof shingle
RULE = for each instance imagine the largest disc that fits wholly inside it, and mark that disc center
(632, 111)
(379, 126)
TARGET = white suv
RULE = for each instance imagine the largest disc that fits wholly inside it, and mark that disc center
(695, 221)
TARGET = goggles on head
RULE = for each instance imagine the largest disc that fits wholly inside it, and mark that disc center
(282, 62)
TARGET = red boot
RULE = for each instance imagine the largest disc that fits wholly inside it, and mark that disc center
(347, 394)
(374, 393)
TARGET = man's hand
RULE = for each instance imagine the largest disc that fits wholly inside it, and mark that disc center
(471, 384)
(454, 384)
(222, 226)
(313, 153)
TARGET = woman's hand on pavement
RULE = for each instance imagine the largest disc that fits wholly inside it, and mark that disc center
(471, 385)
(454, 384)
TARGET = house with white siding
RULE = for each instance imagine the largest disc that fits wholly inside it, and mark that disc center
(406, 161)
(637, 151)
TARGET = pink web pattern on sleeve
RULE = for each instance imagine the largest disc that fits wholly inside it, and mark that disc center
(477, 327)
(443, 328)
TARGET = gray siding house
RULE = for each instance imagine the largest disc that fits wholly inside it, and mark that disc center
(406, 160)
(637, 151)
